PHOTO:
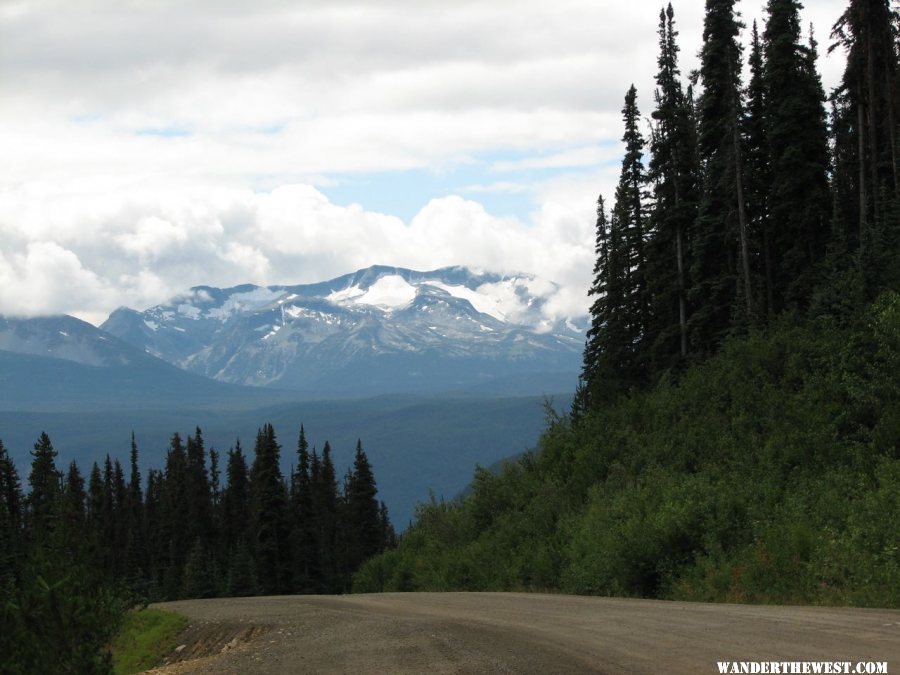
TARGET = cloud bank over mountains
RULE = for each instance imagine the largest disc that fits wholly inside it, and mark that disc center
(151, 146)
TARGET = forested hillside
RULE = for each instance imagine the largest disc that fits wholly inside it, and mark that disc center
(76, 550)
(736, 435)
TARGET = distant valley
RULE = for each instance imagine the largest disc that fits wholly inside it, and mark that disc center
(435, 371)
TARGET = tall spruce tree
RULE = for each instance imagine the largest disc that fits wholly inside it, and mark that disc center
(363, 526)
(323, 483)
(120, 520)
(11, 521)
(606, 291)
(675, 177)
(157, 548)
(269, 514)
(797, 141)
(199, 496)
(236, 503)
(305, 545)
(95, 518)
(630, 216)
(73, 514)
(175, 536)
(136, 550)
(759, 178)
(613, 358)
(721, 291)
(868, 112)
(45, 481)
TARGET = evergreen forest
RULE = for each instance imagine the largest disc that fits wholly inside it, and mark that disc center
(735, 436)
(77, 550)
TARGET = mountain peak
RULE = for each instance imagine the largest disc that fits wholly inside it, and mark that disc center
(398, 325)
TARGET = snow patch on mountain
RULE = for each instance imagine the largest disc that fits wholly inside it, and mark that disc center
(387, 293)
(244, 302)
(392, 328)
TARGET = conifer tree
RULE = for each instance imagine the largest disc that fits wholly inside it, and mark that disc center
(675, 177)
(95, 518)
(199, 504)
(236, 502)
(173, 531)
(120, 520)
(136, 551)
(242, 580)
(620, 311)
(157, 549)
(630, 216)
(868, 106)
(199, 575)
(720, 271)
(73, 512)
(11, 521)
(305, 546)
(759, 178)
(325, 507)
(269, 514)
(363, 526)
(388, 536)
(797, 143)
(604, 291)
(45, 481)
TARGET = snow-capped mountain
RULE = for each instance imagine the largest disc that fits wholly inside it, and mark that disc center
(63, 363)
(380, 329)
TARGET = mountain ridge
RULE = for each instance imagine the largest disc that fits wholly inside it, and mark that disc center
(379, 329)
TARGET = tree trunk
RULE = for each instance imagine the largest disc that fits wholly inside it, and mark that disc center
(742, 220)
(873, 136)
(861, 150)
(682, 310)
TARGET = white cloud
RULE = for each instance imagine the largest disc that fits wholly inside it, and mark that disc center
(292, 234)
(46, 277)
(149, 146)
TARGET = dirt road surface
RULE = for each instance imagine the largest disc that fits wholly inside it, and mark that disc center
(515, 633)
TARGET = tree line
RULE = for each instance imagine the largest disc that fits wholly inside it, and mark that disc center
(189, 533)
(755, 201)
(736, 433)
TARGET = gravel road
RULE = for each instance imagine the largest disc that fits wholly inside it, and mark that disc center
(516, 633)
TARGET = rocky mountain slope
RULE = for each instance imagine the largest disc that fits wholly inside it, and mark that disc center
(381, 329)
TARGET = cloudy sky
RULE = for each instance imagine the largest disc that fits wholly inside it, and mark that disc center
(148, 146)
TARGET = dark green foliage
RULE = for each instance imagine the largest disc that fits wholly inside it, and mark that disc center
(59, 619)
(865, 122)
(136, 564)
(620, 310)
(11, 517)
(767, 474)
(719, 290)
(199, 502)
(173, 530)
(200, 573)
(241, 574)
(796, 140)
(325, 508)
(269, 515)
(675, 175)
(73, 560)
(363, 528)
(759, 180)
(304, 541)
(45, 483)
(73, 514)
(236, 502)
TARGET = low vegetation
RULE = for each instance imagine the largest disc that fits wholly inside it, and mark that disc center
(770, 474)
(146, 637)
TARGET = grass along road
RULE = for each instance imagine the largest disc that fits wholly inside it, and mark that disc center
(516, 633)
